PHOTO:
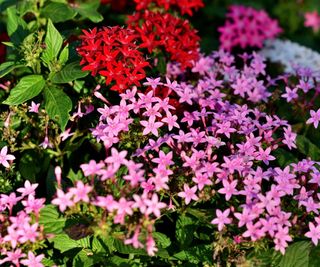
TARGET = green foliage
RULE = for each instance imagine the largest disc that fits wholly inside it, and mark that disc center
(53, 43)
(69, 73)
(58, 12)
(58, 105)
(51, 220)
(28, 87)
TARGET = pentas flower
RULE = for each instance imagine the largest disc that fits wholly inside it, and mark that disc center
(33, 260)
(222, 218)
(312, 20)
(113, 53)
(315, 118)
(171, 34)
(314, 233)
(185, 6)
(247, 27)
(5, 157)
(63, 200)
(34, 107)
(188, 194)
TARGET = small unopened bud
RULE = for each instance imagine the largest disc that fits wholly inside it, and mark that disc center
(57, 172)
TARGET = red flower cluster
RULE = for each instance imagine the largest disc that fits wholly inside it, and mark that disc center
(113, 53)
(185, 6)
(169, 33)
(246, 26)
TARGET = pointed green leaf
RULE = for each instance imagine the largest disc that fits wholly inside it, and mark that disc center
(53, 43)
(306, 147)
(51, 220)
(16, 26)
(64, 243)
(69, 73)
(58, 105)
(64, 55)
(58, 12)
(297, 255)
(7, 67)
(28, 87)
(89, 10)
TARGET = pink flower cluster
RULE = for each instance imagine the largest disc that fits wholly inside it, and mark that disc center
(312, 20)
(212, 148)
(246, 26)
(19, 232)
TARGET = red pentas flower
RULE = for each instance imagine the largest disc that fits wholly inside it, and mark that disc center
(113, 53)
(246, 26)
(185, 6)
(171, 34)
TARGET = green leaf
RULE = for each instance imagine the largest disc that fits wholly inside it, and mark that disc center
(89, 10)
(127, 249)
(16, 26)
(57, 105)
(185, 228)
(30, 164)
(69, 73)
(53, 43)
(197, 254)
(51, 220)
(7, 67)
(314, 257)
(58, 12)
(28, 87)
(162, 240)
(64, 243)
(297, 255)
(64, 55)
(284, 157)
(306, 147)
(83, 259)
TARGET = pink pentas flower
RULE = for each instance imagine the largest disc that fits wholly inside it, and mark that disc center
(151, 126)
(222, 218)
(134, 241)
(290, 94)
(229, 189)
(81, 192)
(28, 233)
(92, 168)
(312, 19)
(245, 27)
(33, 260)
(314, 233)
(34, 107)
(5, 157)
(153, 82)
(13, 256)
(315, 118)
(151, 245)
(28, 189)
(189, 193)
(33, 204)
(154, 206)
(63, 200)
(117, 158)
(202, 179)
